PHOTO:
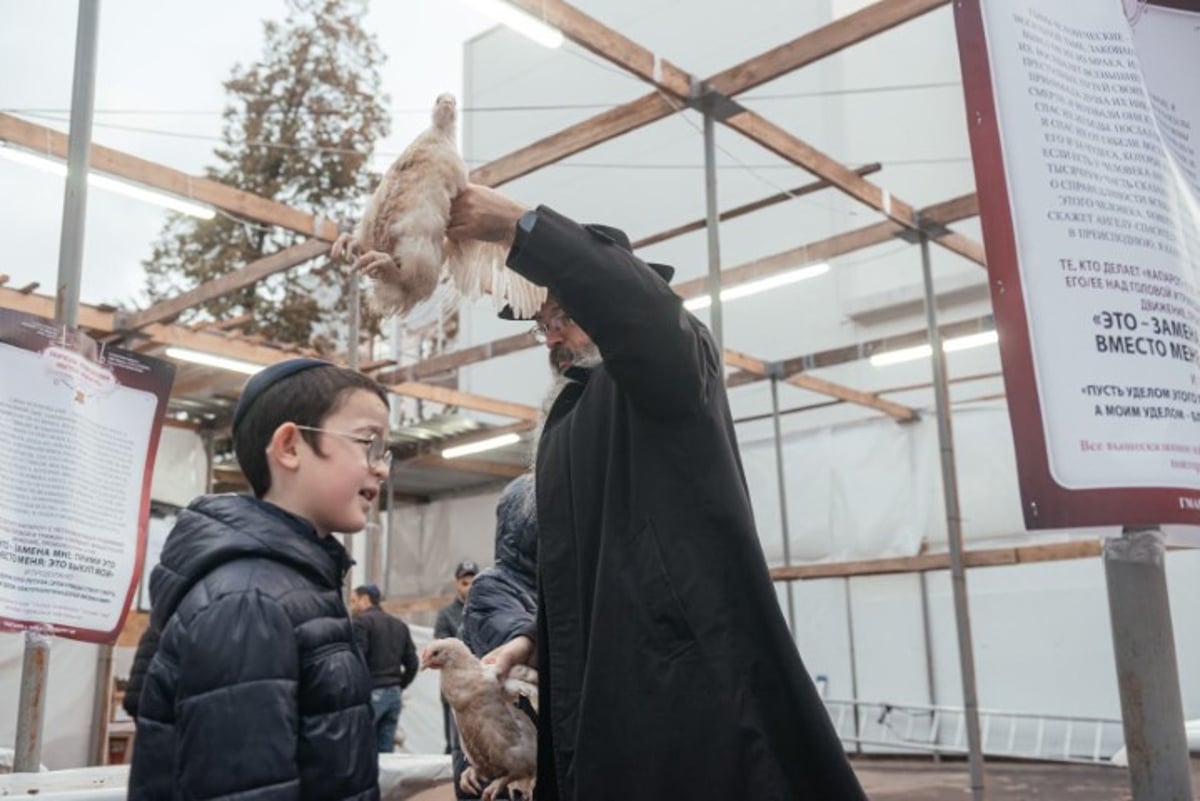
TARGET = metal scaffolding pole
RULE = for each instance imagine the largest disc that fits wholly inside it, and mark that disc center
(783, 509)
(35, 665)
(716, 317)
(352, 363)
(1147, 669)
(958, 578)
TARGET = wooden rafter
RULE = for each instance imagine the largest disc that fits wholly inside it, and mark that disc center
(823, 386)
(241, 278)
(48, 141)
(254, 353)
(860, 350)
(807, 49)
(747, 208)
(464, 400)
(482, 466)
(609, 44)
(617, 49)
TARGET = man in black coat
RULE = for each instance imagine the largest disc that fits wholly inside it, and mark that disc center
(666, 667)
(387, 645)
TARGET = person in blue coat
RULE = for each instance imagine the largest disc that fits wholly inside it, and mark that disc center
(502, 602)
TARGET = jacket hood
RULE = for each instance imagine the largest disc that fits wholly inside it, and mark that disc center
(215, 529)
(516, 528)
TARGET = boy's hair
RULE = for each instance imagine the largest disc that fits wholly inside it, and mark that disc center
(305, 398)
(371, 591)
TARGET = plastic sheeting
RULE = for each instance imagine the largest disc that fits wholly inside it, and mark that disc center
(180, 468)
(873, 489)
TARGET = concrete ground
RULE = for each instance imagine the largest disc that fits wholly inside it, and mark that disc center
(922, 780)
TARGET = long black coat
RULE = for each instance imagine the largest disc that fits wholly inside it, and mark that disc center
(257, 691)
(667, 669)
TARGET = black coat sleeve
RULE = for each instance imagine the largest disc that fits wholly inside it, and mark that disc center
(656, 351)
(147, 645)
(237, 702)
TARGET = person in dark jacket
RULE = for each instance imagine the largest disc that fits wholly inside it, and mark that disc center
(146, 647)
(665, 664)
(257, 690)
(503, 600)
(448, 623)
(387, 645)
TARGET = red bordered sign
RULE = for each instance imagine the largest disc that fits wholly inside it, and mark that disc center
(1084, 122)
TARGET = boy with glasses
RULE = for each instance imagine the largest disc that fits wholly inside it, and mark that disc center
(257, 689)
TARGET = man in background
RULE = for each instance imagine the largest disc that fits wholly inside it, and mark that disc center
(391, 657)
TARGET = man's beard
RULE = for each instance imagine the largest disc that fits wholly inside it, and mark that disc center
(563, 356)
(566, 356)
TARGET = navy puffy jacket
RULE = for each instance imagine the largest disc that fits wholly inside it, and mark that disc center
(257, 690)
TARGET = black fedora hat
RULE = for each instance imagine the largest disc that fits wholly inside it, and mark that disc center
(664, 271)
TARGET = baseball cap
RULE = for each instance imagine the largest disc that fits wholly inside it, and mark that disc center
(466, 568)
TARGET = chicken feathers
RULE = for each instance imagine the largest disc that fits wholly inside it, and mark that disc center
(401, 244)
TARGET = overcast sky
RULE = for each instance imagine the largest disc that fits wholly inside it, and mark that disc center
(160, 67)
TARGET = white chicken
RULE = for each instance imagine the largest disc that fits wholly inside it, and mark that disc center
(498, 738)
(401, 240)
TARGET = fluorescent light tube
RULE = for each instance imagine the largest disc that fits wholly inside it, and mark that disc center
(925, 351)
(110, 184)
(761, 285)
(213, 360)
(481, 446)
(519, 21)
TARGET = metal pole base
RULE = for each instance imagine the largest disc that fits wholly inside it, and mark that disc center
(31, 709)
(1147, 669)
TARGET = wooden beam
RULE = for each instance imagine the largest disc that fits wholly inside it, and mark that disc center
(823, 386)
(243, 277)
(480, 466)
(791, 194)
(831, 247)
(807, 49)
(860, 350)
(463, 400)
(780, 142)
(447, 362)
(431, 446)
(575, 139)
(815, 45)
(623, 52)
(90, 317)
(610, 45)
(992, 557)
(48, 141)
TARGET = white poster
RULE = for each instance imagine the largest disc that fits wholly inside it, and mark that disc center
(77, 438)
(1085, 120)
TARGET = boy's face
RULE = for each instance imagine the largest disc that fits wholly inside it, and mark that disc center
(338, 488)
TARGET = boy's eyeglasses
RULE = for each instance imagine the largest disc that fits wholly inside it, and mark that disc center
(375, 447)
(543, 330)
